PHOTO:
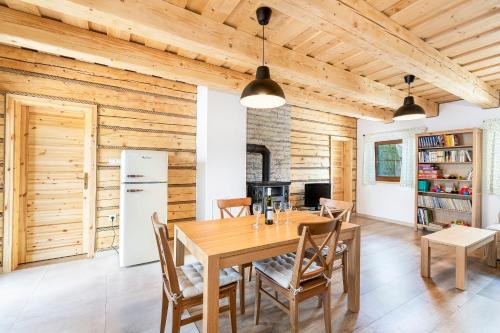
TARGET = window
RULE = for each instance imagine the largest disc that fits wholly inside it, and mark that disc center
(388, 160)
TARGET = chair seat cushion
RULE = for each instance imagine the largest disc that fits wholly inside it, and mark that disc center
(341, 247)
(280, 268)
(190, 278)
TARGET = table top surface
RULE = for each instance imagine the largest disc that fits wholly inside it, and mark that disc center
(224, 236)
(460, 236)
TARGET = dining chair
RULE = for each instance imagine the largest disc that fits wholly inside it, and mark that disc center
(297, 277)
(331, 208)
(183, 286)
(242, 205)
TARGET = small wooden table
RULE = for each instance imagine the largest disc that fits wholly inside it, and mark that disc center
(464, 240)
(229, 242)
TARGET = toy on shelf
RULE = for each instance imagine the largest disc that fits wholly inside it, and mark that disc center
(465, 190)
(460, 222)
(437, 188)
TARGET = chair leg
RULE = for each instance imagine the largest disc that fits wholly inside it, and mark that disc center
(258, 285)
(232, 309)
(345, 280)
(294, 316)
(164, 311)
(241, 285)
(326, 311)
(250, 274)
(176, 318)
(319, 302)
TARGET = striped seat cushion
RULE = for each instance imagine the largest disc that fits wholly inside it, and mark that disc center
(280, 268)
(341, 247)
(190, 278)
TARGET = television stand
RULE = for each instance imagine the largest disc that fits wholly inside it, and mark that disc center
(310, 209)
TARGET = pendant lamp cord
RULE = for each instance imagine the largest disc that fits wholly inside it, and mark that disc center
(263, 37)
(409, 84)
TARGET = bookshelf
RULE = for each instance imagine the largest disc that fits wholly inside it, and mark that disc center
(448, 162)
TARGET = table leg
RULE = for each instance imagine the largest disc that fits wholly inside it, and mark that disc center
(492, 252)
(425, 258)
(461, 268)
(211, 295)
(178, 251)
(353, 271)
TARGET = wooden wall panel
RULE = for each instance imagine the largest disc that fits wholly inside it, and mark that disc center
(134, 111)
(311, 156)
(2, 156)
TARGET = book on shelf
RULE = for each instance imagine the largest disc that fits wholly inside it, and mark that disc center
(424, 216)
(429, 171)
(444, 140)
(445, 156)
(460, 205)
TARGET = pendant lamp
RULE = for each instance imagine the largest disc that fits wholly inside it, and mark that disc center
(263, 93)
(409, 110)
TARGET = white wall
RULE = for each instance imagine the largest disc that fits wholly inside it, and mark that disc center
(391, 201)
(221, 150)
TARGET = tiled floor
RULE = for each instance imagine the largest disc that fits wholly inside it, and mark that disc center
(97, 296)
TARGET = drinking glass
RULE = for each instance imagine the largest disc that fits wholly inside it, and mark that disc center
(277, 209)
(287, 207)
(257, 210)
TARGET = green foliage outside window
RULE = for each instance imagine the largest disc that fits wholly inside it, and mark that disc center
(388, 156)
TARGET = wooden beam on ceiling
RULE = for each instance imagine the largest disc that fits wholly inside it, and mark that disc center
(49, 36)
(161, 21)
(366, 27)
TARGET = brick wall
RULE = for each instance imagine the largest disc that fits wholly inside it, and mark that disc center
(269, 127)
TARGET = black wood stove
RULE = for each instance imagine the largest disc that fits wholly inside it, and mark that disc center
(280, 190)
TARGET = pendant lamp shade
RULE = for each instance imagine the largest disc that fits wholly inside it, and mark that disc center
(263, 93)
(409, 110)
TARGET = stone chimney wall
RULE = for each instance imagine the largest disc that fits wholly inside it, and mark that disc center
(269, 127)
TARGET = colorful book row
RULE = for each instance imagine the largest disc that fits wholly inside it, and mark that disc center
(445, 203)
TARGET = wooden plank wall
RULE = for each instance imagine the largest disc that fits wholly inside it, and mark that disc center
(134, 111)
(2, 156)
(310, 149)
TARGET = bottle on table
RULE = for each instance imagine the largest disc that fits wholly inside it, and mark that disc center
(269, 207)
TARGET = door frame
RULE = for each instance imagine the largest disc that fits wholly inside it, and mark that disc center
(14, 167)
(348, 156)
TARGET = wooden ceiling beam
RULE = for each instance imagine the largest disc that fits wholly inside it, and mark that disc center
(374, 32)
(49, 36)
(158, 20)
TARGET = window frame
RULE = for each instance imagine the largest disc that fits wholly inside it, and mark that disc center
(390, 179)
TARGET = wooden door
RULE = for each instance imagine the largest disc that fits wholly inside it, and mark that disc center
(53, 178)
(341, 161)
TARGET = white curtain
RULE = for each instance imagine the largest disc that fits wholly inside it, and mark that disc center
(408, 154)
(492, 138)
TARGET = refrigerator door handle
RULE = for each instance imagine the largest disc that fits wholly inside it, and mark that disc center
(135, 176)
(134, 190)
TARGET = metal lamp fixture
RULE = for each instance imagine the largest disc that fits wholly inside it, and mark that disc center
(263, 93)
(409, 110)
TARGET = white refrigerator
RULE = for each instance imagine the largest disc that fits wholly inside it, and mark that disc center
(143, 190)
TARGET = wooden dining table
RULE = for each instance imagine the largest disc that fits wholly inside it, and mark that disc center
(230, 242)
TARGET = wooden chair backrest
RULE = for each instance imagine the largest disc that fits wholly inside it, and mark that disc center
(307, 231)
(170, 281)
(225, 206)
(328, 206)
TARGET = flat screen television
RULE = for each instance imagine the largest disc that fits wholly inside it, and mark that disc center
(314, 191)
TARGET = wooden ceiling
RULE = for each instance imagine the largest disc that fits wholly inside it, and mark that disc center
(456, 43)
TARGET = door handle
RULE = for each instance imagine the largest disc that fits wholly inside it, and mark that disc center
(135, 176)
(134, 190)
(85, 181)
